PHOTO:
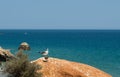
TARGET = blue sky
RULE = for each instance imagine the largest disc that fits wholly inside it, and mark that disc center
(59, 14)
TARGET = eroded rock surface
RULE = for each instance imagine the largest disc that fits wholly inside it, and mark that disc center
(63, 68)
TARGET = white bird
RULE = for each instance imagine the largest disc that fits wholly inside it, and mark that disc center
(45, 52)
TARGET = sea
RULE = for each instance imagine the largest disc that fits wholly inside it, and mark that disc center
(98, 48)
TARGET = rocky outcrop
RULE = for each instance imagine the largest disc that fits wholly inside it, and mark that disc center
(24, 46)
(63, 68)
(5, 54)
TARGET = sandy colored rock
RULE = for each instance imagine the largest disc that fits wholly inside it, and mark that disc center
(5, 54)
(63, 68)
(5, 51)
(24, 46)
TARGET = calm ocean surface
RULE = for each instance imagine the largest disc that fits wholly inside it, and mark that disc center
(98, 48)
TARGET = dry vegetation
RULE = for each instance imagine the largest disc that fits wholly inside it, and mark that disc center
(21, 67)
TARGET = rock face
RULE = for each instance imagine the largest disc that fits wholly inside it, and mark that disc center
(24, 46)
(63, 68)
(5, 54)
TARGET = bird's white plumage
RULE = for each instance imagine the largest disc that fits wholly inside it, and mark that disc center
(45, 52)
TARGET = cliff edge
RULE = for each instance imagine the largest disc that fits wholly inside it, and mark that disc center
(5, 54)
(63, 68)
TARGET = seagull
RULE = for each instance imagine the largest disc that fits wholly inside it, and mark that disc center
(45, 52)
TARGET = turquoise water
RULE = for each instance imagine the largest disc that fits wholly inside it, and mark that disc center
(98, 48)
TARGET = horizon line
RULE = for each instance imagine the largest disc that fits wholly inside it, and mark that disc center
(59, 29)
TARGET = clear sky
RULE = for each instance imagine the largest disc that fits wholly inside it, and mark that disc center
(59, 14)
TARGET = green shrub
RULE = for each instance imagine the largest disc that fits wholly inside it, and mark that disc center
(21, 67)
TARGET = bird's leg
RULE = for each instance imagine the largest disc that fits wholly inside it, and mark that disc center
(45, 58)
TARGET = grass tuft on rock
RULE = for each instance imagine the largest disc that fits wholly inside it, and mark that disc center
(21, 67)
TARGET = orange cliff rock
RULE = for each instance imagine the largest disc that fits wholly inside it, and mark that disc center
(63, 68)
